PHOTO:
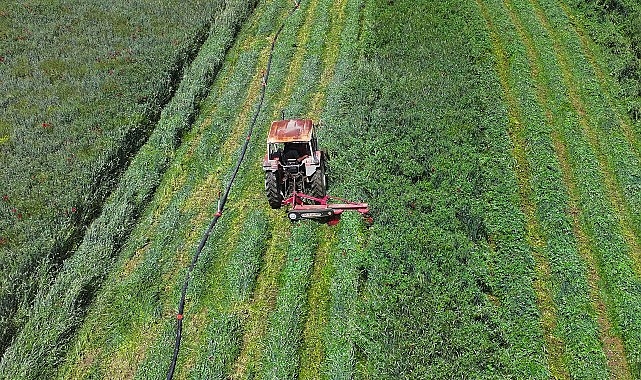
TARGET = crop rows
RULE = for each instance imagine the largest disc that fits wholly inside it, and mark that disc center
(500, 164)
(61, 307)
(584, 206)
(83, 88)
(225, 319)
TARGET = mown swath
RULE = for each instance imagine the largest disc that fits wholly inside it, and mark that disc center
(608, 230)
(586, 117)
(626, 169)
(266, 289)
(308, 73)
(541, 282)
(580, 361)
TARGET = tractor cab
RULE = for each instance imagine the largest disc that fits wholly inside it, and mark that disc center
(291, 140)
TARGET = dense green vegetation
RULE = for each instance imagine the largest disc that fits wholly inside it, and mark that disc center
(441, 192)
(615, 25)
(34, 261)
(569, 130)
(84, 86)
(499, 156)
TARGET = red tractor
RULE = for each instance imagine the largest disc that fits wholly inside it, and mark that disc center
(295, 174)
(293, 162)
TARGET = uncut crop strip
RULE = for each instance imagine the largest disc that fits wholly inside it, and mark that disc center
(541, 282)
(577, 350)
(627, 305)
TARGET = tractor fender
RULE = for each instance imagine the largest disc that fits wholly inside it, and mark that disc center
(310, 168)
(270, 165)
(313, 163)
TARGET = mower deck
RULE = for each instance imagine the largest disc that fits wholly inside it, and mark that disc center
(324, 211)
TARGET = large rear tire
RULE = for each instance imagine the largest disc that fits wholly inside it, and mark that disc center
(318, 183)
(274, 196)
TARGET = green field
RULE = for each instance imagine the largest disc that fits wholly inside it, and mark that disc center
(497, 142)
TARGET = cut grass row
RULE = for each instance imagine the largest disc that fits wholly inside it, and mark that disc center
(252, 360)
(618, 165)
(518, 134)
(607, 215)
(580, 364)
(578, 351)
(281, 353)
(339, 333)
(337, 287)
(614, 28)
(548, 59)
(312, 349)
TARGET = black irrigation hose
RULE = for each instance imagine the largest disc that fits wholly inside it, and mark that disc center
(222, 201)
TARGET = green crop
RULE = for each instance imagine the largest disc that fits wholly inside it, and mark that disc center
(496, 142)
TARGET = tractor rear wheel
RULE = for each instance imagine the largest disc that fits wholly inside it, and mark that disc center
(274, 196)
(318, 183)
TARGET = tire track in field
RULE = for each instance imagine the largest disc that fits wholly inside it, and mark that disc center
(266, 290)
(312, 352)
(613, 346)
(554, 346)
(612, 185)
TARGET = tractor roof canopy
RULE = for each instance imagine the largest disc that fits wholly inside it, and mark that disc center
(283, 131)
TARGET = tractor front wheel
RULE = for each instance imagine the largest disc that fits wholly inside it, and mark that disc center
(274, 196)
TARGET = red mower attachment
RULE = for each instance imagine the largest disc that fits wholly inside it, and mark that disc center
(324, 211)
